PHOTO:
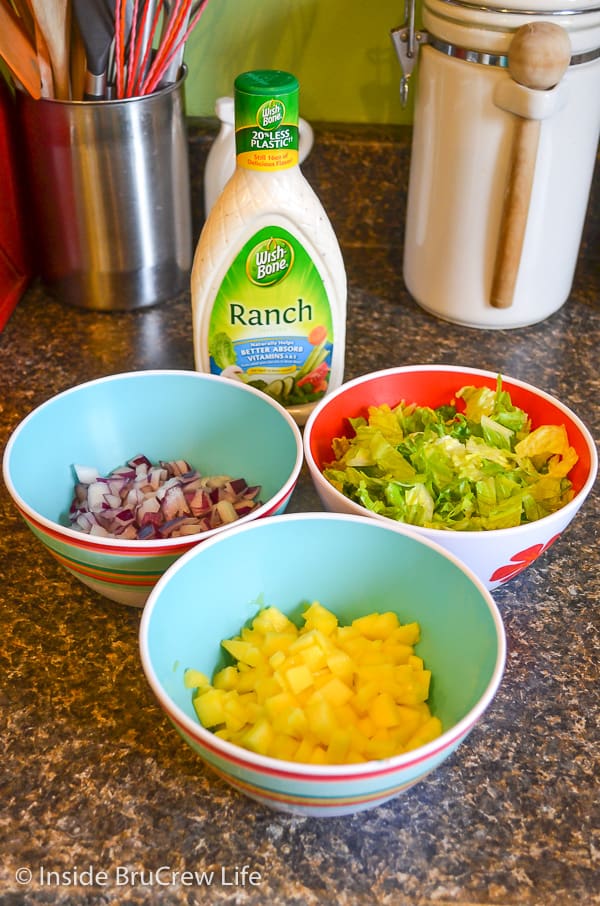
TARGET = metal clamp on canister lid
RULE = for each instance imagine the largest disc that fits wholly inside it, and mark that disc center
(479, 31)
(406, 42)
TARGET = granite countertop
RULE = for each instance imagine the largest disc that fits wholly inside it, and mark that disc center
(95, 781)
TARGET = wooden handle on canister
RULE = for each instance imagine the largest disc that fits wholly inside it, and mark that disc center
(538, 57)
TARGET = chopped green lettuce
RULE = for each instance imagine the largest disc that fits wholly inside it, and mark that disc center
(479, 469)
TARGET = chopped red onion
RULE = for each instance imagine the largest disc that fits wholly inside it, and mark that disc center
(143, 500)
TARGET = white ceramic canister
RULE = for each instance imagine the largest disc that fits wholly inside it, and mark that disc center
(467, 109)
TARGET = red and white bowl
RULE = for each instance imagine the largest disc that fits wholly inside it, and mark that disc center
(496, 555)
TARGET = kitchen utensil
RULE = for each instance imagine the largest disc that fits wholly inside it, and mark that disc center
(52, 17)
(77, 61)
(18, 53)
(97, 31)
(181, 22)
(129, 41)
(538, 57)
(44, 62)
(25, 14)
(145, 16)
(172, 69)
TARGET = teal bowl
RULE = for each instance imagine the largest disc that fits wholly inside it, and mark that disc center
(352, 566)
(218, 426)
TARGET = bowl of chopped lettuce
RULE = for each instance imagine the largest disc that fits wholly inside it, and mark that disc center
(488, 466)
(119, 476)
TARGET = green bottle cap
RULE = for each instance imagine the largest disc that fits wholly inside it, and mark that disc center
(266, 81)
(266, 120)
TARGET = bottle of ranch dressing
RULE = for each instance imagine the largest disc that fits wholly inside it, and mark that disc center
(268, 281)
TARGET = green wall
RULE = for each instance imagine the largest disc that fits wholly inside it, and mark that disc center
(340, 50)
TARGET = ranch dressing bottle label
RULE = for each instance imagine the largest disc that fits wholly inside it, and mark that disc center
(269, 304)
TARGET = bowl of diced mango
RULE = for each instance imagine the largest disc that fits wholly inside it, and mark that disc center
(322, 663)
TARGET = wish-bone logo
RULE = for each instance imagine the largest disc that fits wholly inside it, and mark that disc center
(270, 114)
(269, 262)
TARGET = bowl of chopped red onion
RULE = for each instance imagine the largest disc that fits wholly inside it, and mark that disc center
(138, 468)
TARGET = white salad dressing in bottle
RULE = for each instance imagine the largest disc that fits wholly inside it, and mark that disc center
(268, 282)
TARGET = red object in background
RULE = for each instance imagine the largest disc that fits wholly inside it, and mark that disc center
(16, 267)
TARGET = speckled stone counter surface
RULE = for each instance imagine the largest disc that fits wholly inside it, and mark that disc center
(95, 783)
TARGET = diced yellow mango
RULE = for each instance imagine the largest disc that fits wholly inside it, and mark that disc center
(252, 636)
(243, 651)
(308, 638)
(427, 732)
(223, 733)
(384, 711)
(341, 665)
(322, 694)
(247, 679)
(381, 748)
(305, 749)
(376, 625)
(265, 686)
(321, 720)
(409, 721)
(277, 642)
(398, 652)
(299, 678)
(339, 746)
(384, 675)
(355, 757)
(235, 712)
(314, 657)
(318, 756)
(345, 634)
(358, 740)
(374, 655)
(271, 619)
(365, 726)
(416, 662)
(414, 690)
(336, 692)
(276, 660)
(318, 617)
(345, 715)
(284, 747)
(364, 695)
(422, 708)
(209, 707)
(278, 702)
(292, 722)
(194, 679)
(259, 737)
(356, 647)
(406, 634)
(227, 678)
